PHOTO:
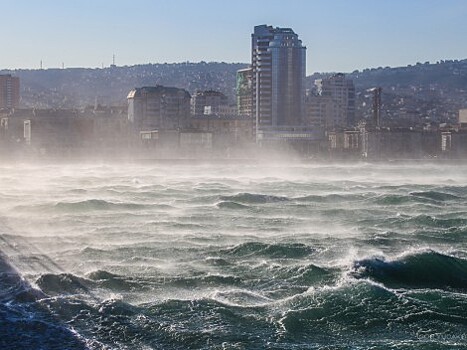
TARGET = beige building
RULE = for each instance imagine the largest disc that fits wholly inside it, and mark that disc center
(334, 105)
(463, 118)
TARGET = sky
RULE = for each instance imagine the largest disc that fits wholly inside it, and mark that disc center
(340, 35)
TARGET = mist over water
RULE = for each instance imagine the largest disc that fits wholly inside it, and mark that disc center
(231, 255)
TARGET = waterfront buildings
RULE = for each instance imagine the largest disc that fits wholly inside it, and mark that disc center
(388, 144)
(278, 66)
(333, 106)
(158, 108)
(227, 130)
(9, 92)
(208, 102)
(244, 92)
(317, 110)
(63, 132)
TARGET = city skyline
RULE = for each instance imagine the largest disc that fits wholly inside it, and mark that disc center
(341, 36)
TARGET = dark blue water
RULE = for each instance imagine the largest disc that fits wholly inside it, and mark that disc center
(220, 256)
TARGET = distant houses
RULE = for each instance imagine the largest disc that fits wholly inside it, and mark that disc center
(211, 110)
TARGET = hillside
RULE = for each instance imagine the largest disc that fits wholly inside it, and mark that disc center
(78, 87)
(420, 92)
(412, 95)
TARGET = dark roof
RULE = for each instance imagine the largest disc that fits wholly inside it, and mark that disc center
(158, 89)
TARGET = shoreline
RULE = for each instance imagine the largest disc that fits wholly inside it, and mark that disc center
(196, 161)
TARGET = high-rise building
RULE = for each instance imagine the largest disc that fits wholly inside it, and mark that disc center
(338, 93)
(244, 92)
(9, 91)
(278, 78)
(158, 108)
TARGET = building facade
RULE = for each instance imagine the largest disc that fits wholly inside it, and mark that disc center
(278, 66)
(208, 102)
(317, 109)
(336, 101)
(245, 92)
(158, 108)
(236, 129)
(9, 92)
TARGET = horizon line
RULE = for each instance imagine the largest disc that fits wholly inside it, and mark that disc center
(113, 66)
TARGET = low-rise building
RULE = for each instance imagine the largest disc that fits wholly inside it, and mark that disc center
(158, 108)
(454, 144)
(196, 143)
(228, 131)
(303, 140)
(208, 102)
(66, 132)
(58, 132)
(384, 144)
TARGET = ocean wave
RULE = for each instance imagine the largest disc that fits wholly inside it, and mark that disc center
(427, 269)
(278, 281)
(101, 275)
(81, 206)
(204, 281)
(24, 323)
(31, 327)
(393, 199)
(333, 198)
(364, 312)
(309, 274)
(64, 283)
(231, 205)
(445, 222)
(13, 288)
(254, 198)
(217, 261)
(285, 250)
(97, 204)
(198, 322)
(241, 298)
(435, 195)
(113, 282)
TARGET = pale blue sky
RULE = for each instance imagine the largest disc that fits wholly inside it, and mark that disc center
(341, 35)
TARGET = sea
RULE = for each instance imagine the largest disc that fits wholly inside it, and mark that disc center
(233, 255)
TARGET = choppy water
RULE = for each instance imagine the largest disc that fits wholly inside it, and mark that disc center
(179, 256)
